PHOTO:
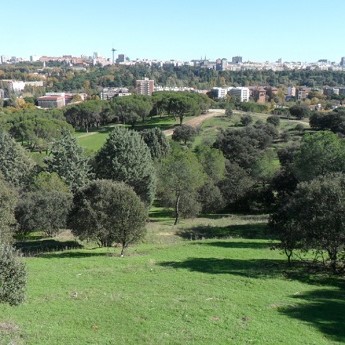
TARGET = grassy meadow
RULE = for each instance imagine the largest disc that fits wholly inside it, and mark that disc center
(206, 281)
(211, 280)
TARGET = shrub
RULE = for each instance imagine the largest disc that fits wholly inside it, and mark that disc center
(12, 276)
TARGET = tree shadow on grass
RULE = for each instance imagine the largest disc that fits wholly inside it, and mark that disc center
(244, 268)
(248, 231)
(73, 255)
(323, 309)
(34, 248)
(238, 245)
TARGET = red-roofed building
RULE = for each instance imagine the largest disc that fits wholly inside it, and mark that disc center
(57, 101)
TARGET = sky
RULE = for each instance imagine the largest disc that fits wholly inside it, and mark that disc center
(294, 30)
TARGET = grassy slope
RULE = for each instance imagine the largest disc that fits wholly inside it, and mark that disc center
(224, 290)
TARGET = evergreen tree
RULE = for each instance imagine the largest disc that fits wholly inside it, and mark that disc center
(125, 157)
(68, 161)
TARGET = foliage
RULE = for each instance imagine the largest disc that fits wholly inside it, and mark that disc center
(36, 128)
(15, 164)
(8, 199)
(320, 153)
(246, 119)
(243, 146)
(313, 218)
(130, 109)
(180, 177)
(156, 141)
(12, 276)
(108, 212)
(212, 161)
(184, 133)
(48, 182)
(300, 111)
(210, 198)
(125, 157)
(334, 121)
(236, 184)
(43, 210)
(66, 158)
(85, 115)
(252, 107)
(274, 120)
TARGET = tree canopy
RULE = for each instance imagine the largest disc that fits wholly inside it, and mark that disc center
(125, 157)
(108, 212)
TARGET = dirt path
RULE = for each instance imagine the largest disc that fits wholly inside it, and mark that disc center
(196, 121)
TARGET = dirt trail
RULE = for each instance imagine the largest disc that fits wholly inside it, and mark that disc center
(196, 121)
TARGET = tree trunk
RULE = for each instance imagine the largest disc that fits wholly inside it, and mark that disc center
(177, 211)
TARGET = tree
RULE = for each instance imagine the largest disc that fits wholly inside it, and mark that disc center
(67, 159)
(184, 133)
(320, 153)
(210, 197)
(15, 164)
(180, 177)
(212, 161)
(313, 218)
(108, 212)
(229, 111)
(236, 184)
(156, 141)
(246, 119)
(300, 111)
(274, 120)
(8, 199)
(125, 157)
(12, 276)
(43, 210)
(243, 146)
(181, 105)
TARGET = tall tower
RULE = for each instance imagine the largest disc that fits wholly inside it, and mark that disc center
(113, 50)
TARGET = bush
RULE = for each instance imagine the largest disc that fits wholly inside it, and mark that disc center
(246, 120)
(12, 277)
(274, 120)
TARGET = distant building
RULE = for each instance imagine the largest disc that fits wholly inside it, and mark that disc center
(291, 91)
(342, 91)
(342, 61)
(302, 93)
(111, 92)
(237, 59)
(145, 86)
(60, 99)
(329, 91)
(51, 101)
(219, 92)
(121, 58)
(259, 94)
(241, 93)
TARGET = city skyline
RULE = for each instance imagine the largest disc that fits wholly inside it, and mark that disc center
(296, 31)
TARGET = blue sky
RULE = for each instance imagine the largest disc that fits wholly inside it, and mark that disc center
(295, 30)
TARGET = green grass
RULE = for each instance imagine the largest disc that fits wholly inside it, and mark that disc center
(228, 287)
(95, 139)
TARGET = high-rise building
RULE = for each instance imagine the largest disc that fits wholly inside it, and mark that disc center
(342, 61)
(236, 59)
(145, 86)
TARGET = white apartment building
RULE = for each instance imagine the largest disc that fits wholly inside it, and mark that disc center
(242, 93)
(219, 92)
